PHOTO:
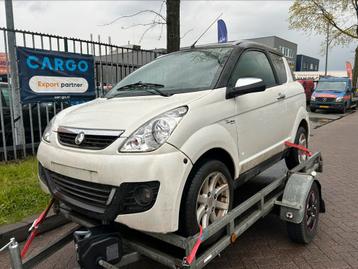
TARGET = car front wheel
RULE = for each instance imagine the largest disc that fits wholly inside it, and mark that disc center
(295, 156)
(209, 197)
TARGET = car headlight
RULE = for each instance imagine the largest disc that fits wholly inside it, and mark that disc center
(48, 130)
(339, 99)
(155, 132)
(313, 98)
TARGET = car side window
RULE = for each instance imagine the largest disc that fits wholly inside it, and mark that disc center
(253, 64)
(279, 66)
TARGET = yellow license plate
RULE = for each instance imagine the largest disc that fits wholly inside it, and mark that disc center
(323, 106)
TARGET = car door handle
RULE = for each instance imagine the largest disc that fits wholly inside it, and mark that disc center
(281, 96)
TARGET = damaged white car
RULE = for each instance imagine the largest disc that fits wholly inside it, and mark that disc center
(165, 148)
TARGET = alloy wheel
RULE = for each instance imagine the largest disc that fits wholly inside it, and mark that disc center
(213, 199)
(302, 141)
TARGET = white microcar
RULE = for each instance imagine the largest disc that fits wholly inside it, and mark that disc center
(165, 148)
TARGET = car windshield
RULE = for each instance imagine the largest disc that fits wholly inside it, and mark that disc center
(338, 86)
(183, 71)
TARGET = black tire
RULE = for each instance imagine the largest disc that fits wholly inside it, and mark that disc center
(188, 215)
(292, 157)
(303, 233)
(312, 109)
(343, 110)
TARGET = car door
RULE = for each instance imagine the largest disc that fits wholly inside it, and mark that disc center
(259, 115)
(292, 101)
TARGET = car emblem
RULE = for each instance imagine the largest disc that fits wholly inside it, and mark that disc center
(79, 138)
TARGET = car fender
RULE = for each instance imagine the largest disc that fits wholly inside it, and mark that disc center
(302, 114)
(210, 137)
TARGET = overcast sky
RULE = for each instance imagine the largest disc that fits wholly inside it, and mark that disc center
(244, 19)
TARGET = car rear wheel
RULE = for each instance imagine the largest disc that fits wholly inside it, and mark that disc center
(294, 156)
(209, 197)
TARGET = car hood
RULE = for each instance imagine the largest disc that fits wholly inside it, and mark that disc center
(329, 94)
(124, 113)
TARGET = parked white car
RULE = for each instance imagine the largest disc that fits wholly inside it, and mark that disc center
(167, 145)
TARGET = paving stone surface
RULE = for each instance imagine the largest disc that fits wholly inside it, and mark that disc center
(266, 244)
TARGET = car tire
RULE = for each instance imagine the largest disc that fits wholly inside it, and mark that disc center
(343, 110)
(304, 232)
(200, 203)
(294, 156)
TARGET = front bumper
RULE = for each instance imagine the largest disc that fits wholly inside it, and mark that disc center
(165, 166)
(326, 105)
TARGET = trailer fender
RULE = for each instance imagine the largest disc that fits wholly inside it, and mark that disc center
(292, 206)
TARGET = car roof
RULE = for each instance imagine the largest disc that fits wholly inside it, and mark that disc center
(245, 44)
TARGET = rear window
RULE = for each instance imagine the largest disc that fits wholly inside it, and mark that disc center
(279, 67)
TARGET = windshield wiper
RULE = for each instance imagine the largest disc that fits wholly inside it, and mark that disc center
(146, 86)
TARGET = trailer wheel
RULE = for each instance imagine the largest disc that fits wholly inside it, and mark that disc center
(305, 231)
(208, 198)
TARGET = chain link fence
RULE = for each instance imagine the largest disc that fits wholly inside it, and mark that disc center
(112, 63)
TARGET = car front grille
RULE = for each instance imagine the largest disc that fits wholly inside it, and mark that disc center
(79, 192)
(325, 99)
(94, 142)
(90, 139)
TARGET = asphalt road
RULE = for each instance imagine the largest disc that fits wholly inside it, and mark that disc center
(266, 245)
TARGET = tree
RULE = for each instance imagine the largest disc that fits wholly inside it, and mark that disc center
(171, 20)
(313, 16)
(173, 25)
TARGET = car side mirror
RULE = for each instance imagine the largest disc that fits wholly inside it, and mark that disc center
(245, 86)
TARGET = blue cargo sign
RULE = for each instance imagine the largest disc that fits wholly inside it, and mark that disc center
(47, 76)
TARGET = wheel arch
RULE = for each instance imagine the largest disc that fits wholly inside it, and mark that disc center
(219, 154)
(216, 153)
(302, 120)
(304, 124)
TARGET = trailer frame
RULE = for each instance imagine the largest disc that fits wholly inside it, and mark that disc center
(288, 192)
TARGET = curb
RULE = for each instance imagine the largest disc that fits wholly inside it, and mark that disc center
(20, 230)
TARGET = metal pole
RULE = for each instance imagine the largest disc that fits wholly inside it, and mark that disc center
(14, 252)
(15, 89)
(327, 47)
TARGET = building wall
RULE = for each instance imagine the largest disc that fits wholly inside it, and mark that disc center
(306, 63)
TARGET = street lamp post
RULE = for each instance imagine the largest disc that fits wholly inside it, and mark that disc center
(327, 47)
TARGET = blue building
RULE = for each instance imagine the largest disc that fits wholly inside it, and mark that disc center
(306, 63)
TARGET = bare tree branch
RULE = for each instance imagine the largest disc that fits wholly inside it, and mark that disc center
(161, 32)
(336, 35)
(187, 32)
(136, 14)
(331, 21)
(142, 24)
(145, 32)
